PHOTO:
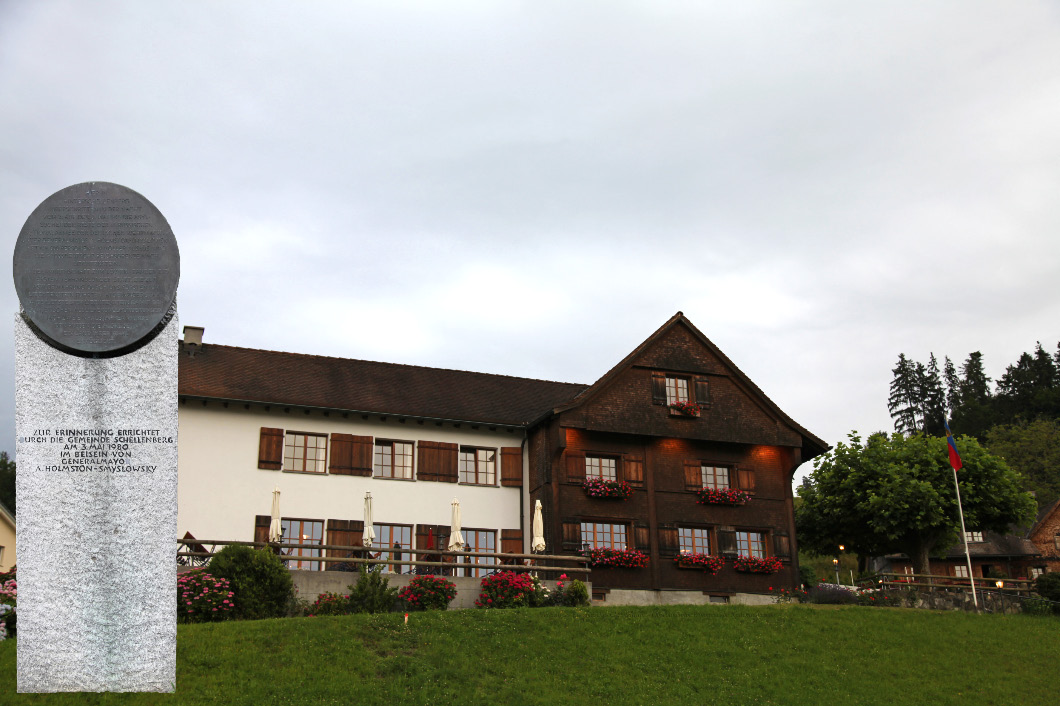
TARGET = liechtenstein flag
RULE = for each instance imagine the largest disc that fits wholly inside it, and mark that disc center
(955, 458)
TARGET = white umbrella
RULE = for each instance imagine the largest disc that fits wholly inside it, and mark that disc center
(275, 527)
(369, 530)
(456, 539)
(538, 543)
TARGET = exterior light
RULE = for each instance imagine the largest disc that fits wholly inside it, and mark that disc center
(841, 547)
(1000, 584)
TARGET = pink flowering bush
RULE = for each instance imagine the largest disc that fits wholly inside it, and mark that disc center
(428, 593)
(506, 589)
(600, 488)
(8, 601)
(755, 565)
(203, 598)
(616, 558)
(722, 496)
(703, 562)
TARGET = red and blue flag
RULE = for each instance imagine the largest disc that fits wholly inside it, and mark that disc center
(955, 458)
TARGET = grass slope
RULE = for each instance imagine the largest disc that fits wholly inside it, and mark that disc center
(664, 655)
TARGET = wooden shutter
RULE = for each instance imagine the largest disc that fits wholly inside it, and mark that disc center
(781, 545)
(633, 470)
(361, 456)
(575, 467)
(658, 388)
(726, 541)
(701, 390)
(641, 537)
(346, 533)
(438, 461)
(341, 461)
(746, 479)
(270, 449)
(512, 467)
(512, 541)
(572, 536)
(440, 533)
(261, 527)
(668, 543)
(693, 475)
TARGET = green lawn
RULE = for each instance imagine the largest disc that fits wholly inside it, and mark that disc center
(666, 655)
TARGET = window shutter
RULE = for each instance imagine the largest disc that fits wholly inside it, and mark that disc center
(512, 467)
(781, 546)
(572, 536)
(658, 388)
(575, 467)
(270, 449)
(641, 537)
(341, 454)
(345, 533)
(668, 544)
(438, 461)
(261, 527)
(726, 541)
(746, 480)
(693, 475)
(361, 456)
(512, 541)
(633, 471)
(702, 392)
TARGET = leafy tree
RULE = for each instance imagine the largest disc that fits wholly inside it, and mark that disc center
(896, 495)
(904, 400)
(1033, 449)
(7, 481)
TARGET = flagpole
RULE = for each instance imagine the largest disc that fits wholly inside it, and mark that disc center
(964, 535)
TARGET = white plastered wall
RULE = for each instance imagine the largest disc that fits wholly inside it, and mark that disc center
(221, 489)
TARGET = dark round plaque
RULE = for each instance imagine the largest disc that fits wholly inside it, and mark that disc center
(96, 268)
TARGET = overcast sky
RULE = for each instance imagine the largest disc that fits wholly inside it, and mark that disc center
(532, 188)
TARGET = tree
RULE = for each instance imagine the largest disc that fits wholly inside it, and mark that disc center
(953, 387)
(904, 400)
(7, 481)
(896, 495)
(1033, 449)
(975, 385)
(932, 398)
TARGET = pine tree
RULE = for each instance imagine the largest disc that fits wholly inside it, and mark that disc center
(932, 398)
(904, 400)
(953, 385)
(975, 385)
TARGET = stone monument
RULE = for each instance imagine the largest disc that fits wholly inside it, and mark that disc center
(96, 269)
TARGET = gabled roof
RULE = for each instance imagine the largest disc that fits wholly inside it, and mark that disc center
(271, 377)
(1043, 515)
(995, 545)
(812, 445)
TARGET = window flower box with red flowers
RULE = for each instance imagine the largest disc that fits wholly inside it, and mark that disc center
(703, 562)
(685, 409)
(756, 565)
(722, 496)
(615, 558)
(611, 489)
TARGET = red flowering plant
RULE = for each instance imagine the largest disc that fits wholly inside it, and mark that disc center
(202, 597)
(722, 496)
(616, 558)
(505, 589)
(600, 488)
(703, 562)
(689, 409)
(428, 593)
(330, 603)
(756, 565)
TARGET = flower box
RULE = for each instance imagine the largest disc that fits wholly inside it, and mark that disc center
(615, 558)
(608, 489)
(701, 562)
(685, 409)
(722, 496)
(755, 565)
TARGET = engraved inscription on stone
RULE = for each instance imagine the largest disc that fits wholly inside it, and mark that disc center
(96, 267)
(96, 450)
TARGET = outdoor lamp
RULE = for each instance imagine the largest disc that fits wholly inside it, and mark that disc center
(841, 547)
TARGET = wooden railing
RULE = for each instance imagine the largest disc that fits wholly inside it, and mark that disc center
(193, 552)
(937, 582)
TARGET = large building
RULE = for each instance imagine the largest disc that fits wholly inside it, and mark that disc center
(672, 424)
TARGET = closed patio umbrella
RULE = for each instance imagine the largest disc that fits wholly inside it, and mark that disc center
(275, 527)
(538, 542)
(456, 539)
(369, 529)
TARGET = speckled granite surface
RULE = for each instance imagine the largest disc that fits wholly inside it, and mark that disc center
(96, 487)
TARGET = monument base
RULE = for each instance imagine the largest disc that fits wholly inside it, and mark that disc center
(96, 489)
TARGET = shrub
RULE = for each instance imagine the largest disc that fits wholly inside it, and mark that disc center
(203, 598)
(576, 594)
(8, 603)
(330, 603)
(261, 583)
(1048, 586)
(880, 598)
(831, 593)
(372, 592)
(1037, 606)
(783, 595)
(506, 589)
(428, 593)
(808, 577)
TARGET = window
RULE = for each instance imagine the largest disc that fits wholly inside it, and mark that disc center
(393, 459)
(960, 571)
(751, 544)
(393, 538)
(973, 536)
(676, 389)
(479, 541)
(304, 532)
(1036, 571)
(601, 467)
(716, 477)
(304, 452)
(693, 540)
(600, 535)
(478, 466)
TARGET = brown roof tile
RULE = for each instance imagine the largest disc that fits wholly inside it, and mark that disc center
(251, 375)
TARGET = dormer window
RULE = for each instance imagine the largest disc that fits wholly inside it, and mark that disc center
(676, 390)
(684, 394)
